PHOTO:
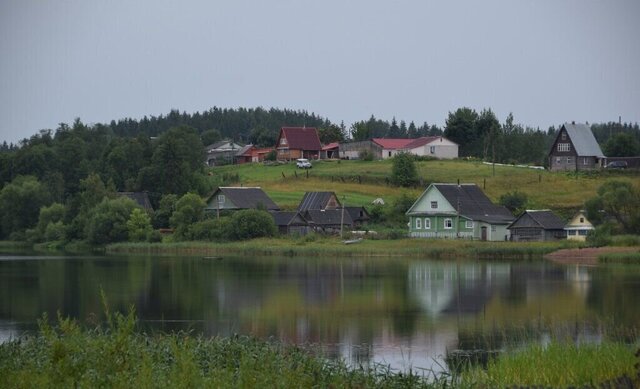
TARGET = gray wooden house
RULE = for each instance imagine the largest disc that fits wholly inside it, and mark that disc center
(537, 226)
(575, 149)
(237, 198)
(290, 223)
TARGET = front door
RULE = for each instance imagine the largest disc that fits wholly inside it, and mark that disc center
(483, 233)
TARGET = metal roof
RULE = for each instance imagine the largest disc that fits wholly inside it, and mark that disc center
(247, 197)
(545, 218)
(303, 138)
(583, 140)
(472, 203)
(316, 200)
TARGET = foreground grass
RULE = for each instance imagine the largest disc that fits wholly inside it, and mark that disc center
(558, 365)
(116, 355)
(317, 246)
(67, 356)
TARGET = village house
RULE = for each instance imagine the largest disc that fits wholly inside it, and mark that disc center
(457, 211)
(537, 226)
(575, 149)
(578, 227)
(332, 209)
(141, 198)
(251, 153)
(298, 142)
(221, 153)
(383, 148)
(290, 223)
(237, 198)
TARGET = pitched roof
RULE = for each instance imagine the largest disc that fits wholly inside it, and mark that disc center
(329, 217)
(358, 213)
(420, 141)
(245, 150)
(471, 202)
(544, 218)
(316, 200)
(330, 146)
(392, 144)
(303, 138)
(282, 218)
(141, 198)
(583, 140)
(247, 197)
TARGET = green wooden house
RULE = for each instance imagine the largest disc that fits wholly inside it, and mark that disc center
(455, 211)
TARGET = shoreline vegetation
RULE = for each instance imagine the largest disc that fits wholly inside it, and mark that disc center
(117, 354)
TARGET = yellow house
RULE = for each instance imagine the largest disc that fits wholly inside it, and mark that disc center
(578, 227)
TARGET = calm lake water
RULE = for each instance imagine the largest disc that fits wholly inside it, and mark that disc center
(405, 313)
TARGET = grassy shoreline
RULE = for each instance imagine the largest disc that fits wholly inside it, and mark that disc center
(331, 247)
(118, 355)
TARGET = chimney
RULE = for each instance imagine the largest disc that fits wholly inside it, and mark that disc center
(573, 122)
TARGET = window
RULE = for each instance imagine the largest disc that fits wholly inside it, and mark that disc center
(582, 232)
(434, 204)
(581, 220)
(432, 149)
(283, 141)
(389, 153)
(427, 224)
(418, 223)
(448, 224)
(564, 136)
(493, 228)
(564, 146)
(558, 160)
(221, 199)
(571, 232)
(569, 160)
(585, 161)
(468, 224)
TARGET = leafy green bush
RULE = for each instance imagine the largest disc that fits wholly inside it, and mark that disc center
(251, 223)
(108, 222)
(139, 226)
(403, 171)
(600, 236)
(515, 201)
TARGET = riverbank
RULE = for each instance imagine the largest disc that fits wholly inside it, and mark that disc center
(590, 255)
(331, 247)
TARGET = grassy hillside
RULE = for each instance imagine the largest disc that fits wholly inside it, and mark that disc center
(360, 182)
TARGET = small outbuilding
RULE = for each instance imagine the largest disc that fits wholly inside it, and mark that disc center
(537, 226)
(578, 227)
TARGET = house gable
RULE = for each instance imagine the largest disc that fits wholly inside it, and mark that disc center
(235, 198)
(579, 221)
(574, 148)
(319, 200)
(431, 196)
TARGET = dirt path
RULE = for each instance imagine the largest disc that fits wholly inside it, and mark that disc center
(586, 256)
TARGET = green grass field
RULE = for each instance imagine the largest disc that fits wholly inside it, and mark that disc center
(360, 182)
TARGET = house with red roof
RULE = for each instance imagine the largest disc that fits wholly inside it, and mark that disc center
(383, 148)
(432, 146)
(298, 142)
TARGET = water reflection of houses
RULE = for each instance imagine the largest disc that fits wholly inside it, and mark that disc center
(443, 288)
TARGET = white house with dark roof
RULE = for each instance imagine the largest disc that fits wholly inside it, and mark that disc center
(458, 211)
(578, 227)
(575, 149)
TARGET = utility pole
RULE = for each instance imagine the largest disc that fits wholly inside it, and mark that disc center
(342, 215)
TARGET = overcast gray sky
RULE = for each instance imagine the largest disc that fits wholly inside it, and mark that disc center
(547, 61)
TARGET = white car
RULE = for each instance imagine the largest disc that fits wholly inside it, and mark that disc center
(303, 163)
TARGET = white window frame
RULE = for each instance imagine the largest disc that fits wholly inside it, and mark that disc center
(448, 221)
(432, 149)
(468, 224)
(585, 161)
(569, 160)
(427, 223)
(564, 146)
(418, 223)
(221, 199)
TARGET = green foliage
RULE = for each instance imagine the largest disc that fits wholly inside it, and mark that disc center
(139, 225)
(620, 201)
(162, 215)
(210, 136)
(558, 365)
(329, 134)
(622, 145)
(515, 201)
(403, 171)
(189, 210)
(600, 236)
(20, 203)
(177, 160)
(108, 221)
(250, 224)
